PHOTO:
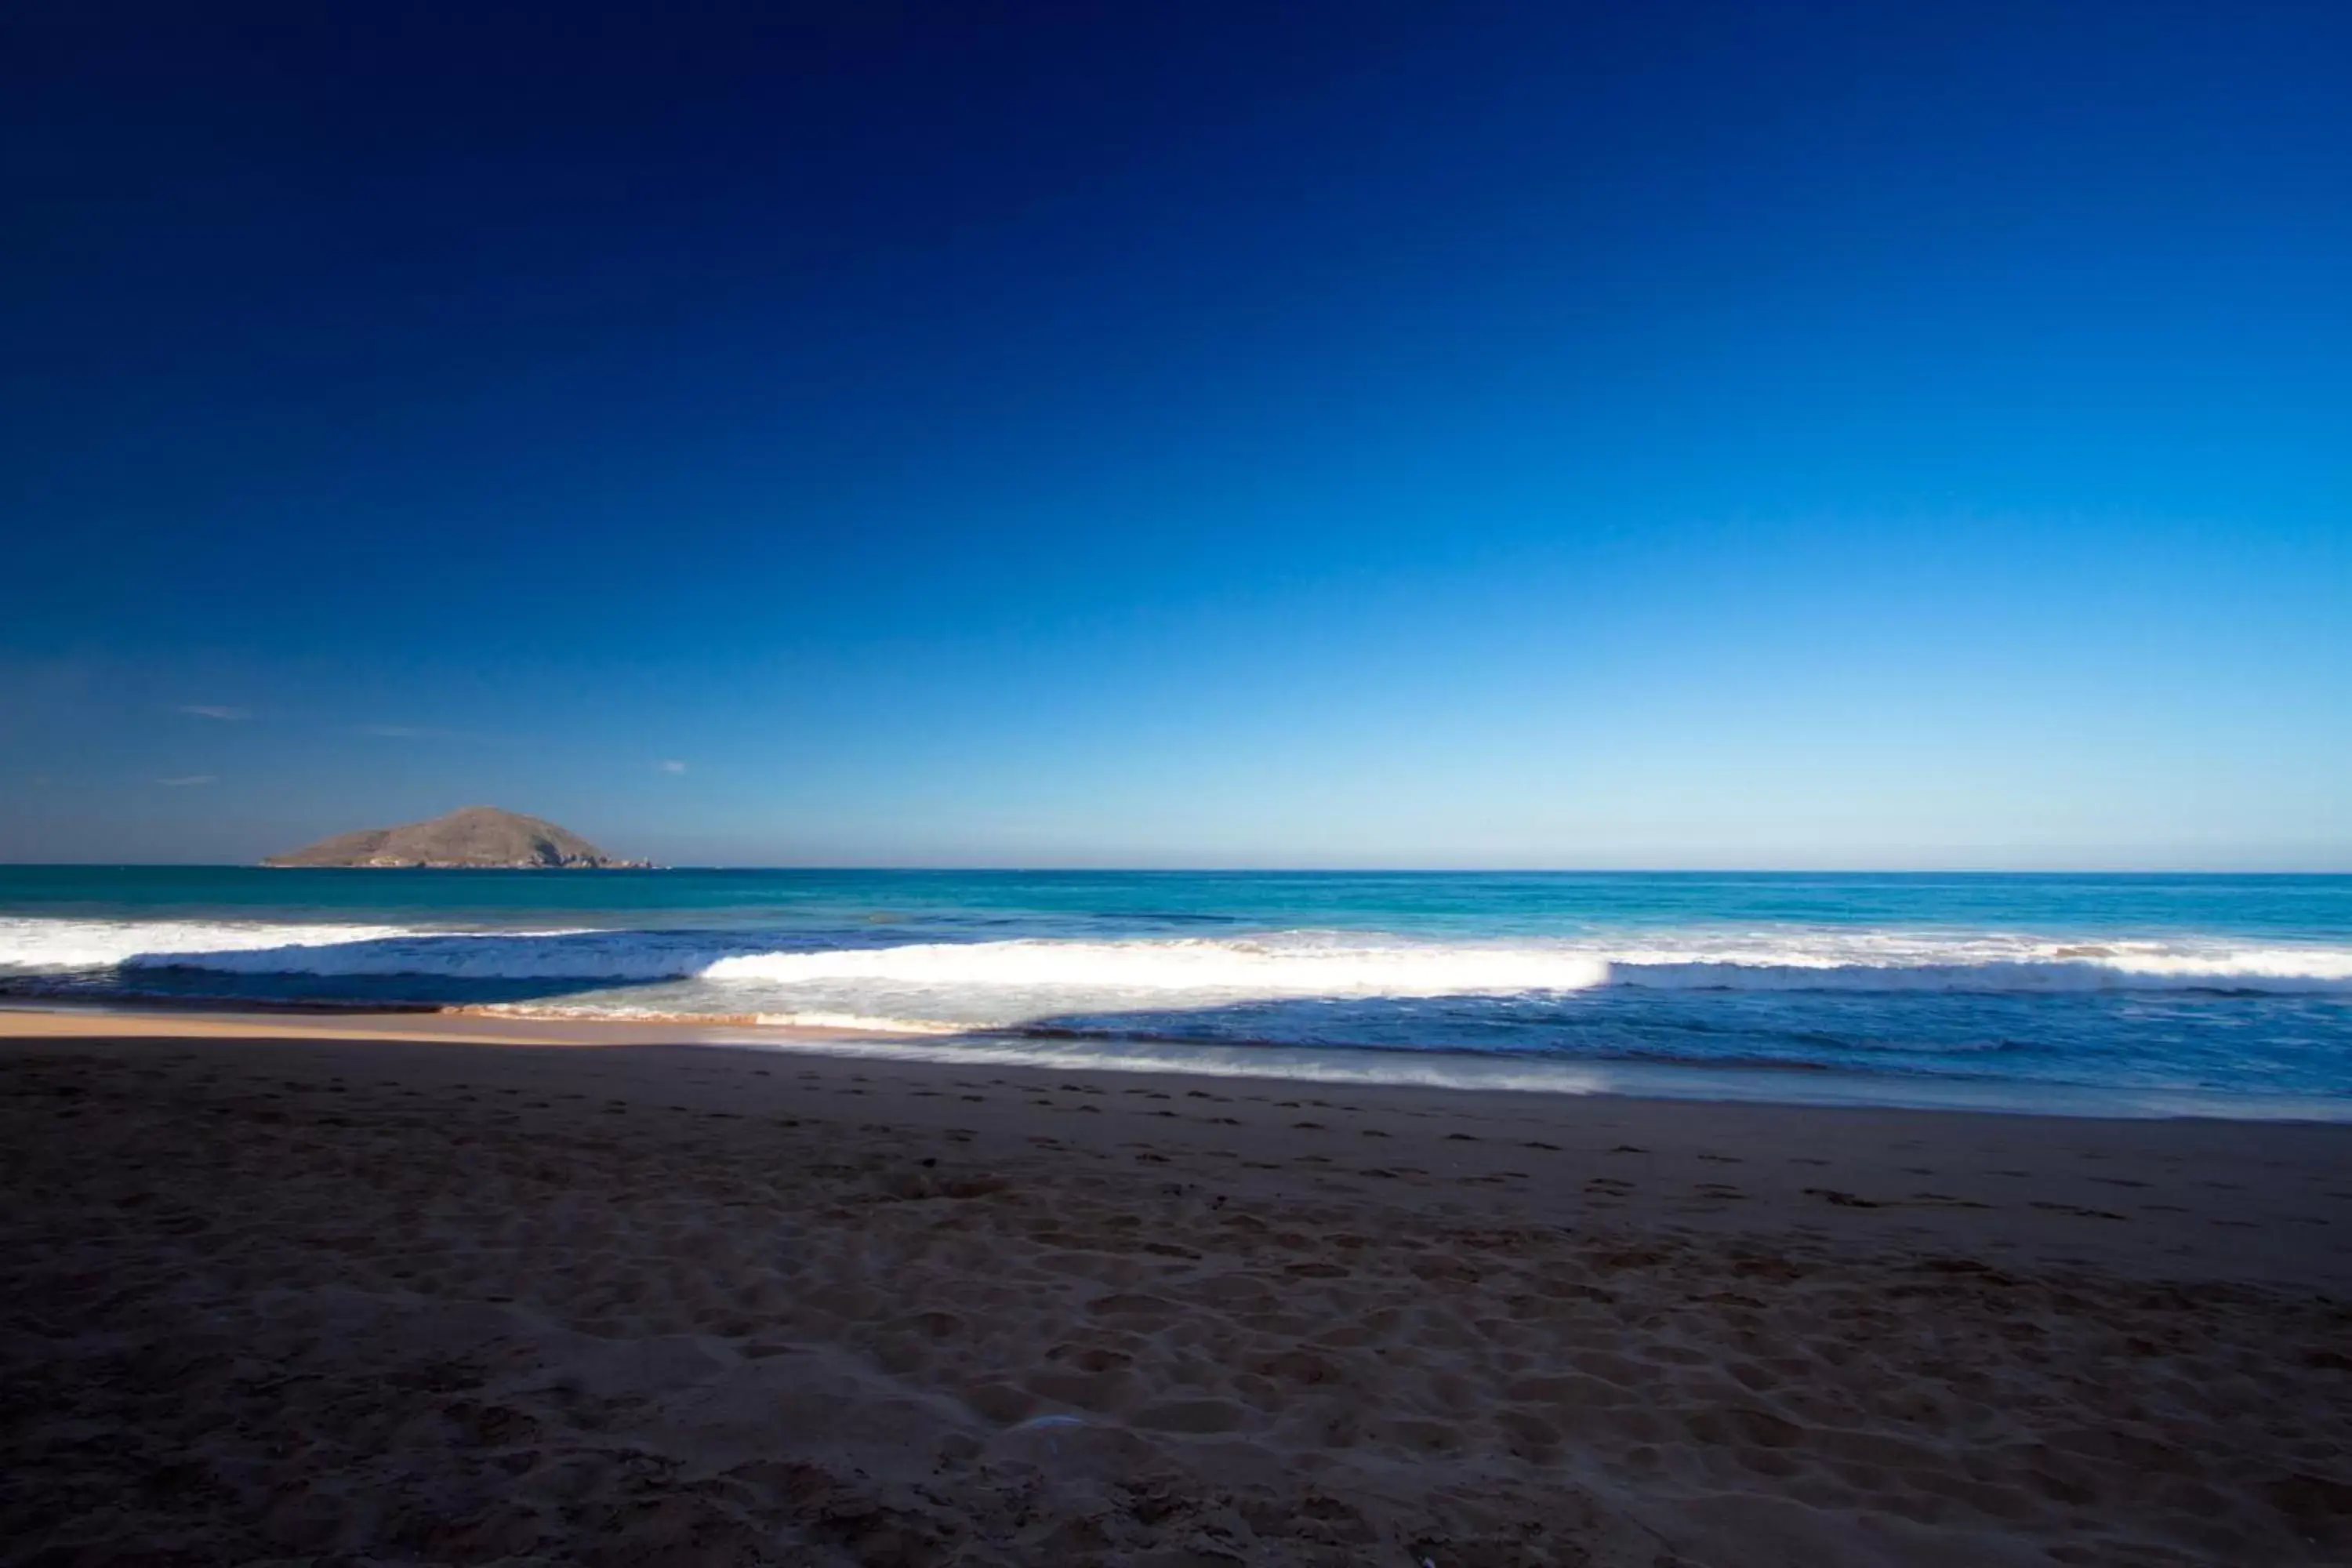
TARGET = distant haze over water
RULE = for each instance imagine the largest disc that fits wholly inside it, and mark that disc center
(2135, 993)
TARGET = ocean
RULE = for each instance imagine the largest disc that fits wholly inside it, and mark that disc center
(2104, 994)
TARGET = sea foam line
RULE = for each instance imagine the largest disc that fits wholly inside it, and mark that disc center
(772, 977)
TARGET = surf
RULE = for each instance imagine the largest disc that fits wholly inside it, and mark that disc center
(1269, 965)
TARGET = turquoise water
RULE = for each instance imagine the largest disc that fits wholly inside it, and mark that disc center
(2215, 991)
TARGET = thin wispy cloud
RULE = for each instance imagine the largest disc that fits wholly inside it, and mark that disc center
(184, 780)
(672, 765)
(215, 711)
(398, 732)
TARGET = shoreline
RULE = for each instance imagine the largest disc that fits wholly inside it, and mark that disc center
(1456, 1071)
(1864, 1138)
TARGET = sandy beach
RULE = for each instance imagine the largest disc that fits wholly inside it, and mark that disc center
(415, 1290)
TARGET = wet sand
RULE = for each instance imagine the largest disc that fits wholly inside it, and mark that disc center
(420, 1289)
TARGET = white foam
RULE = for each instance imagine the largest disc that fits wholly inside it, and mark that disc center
(38, 945)
(964, 983)
(2317, 976)
(1300, 965)
(862, 1023)
(608, 1013)
(1304, 965)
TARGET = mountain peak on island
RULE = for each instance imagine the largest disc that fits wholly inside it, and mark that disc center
(477, 837)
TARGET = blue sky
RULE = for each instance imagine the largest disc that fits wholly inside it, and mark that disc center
(1764, 435)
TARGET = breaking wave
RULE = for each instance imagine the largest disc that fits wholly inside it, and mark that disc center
(1168, 972)
(1310, 967)
(41, 946)
(1265, 968)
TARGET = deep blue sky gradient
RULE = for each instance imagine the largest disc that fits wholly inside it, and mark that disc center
(1683, 434)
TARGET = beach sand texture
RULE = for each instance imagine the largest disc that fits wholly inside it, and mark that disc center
(368, 1300)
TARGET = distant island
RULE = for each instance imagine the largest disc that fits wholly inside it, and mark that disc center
(479, 837)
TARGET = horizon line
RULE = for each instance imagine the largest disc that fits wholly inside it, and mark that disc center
(1271, 871)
